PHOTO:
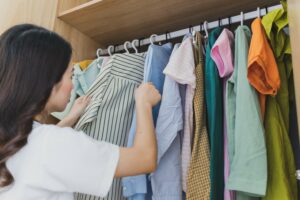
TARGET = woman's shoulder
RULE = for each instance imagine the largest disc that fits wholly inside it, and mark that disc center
(51, 132)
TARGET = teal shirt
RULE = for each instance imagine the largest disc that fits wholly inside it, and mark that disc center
(246, 140)
(214, 103)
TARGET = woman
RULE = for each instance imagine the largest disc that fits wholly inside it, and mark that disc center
(51, 162)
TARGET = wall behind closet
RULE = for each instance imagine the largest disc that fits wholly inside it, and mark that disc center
(43, 13)
(40, 12)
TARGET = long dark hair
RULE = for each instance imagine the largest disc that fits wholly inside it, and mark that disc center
(32, 60)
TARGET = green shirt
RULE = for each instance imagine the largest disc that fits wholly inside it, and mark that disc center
(246, 142)
(282, 184)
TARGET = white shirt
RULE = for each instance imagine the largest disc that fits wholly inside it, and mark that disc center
(59, 161)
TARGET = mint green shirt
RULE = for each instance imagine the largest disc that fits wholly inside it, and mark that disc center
(246, 141)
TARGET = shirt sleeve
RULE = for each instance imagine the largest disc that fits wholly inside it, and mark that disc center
(181, 66)
(73, 162)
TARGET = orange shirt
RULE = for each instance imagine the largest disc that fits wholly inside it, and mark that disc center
(84, 64)
(262, 68)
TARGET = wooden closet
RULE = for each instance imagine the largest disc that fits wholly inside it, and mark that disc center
(92, 24)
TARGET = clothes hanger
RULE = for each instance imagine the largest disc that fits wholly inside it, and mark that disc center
(205, 29)
(125, 46)
(167, 37)
(140, 41)
(115, 47)
(193, 35)
(133, 45)
(229, 22)
(190, 29)
(109, 50)
(152, 38)
(242, 18)
(98, 53)
(258, 12)
(267, 10)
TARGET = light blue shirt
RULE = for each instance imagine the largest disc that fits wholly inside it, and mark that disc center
(135, 187)
(166, 180)
(82, 81)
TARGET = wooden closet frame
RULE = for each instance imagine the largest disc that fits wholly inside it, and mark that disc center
(90, 24)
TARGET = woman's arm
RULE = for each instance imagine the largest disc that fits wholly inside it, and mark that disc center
(142, 157)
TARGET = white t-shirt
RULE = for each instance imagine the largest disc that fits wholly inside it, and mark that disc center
(59, 161)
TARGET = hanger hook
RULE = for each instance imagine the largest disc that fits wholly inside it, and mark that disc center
(126, 46)
(205, 29)
(109, 50)
(242, 18)
(99, 52)
(115, 48)
(267, 10)
(152, 38)
(190, 29)
(229, 21)
(258, 11)
(166, 36)
(140, 41)
(133, 45)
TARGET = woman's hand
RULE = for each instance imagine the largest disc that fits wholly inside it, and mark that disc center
(76, 111)
(147, 94)
(79, 106)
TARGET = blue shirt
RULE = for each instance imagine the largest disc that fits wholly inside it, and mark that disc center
(135, 187)
(83, 80)
(166, 180)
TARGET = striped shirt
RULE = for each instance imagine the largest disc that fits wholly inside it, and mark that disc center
(108, 117)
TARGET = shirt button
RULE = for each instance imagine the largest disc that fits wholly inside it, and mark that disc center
(124, 188)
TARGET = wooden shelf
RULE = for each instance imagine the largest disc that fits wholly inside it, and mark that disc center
(115, 21)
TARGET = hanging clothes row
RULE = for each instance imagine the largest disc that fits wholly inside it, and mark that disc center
(226, 126)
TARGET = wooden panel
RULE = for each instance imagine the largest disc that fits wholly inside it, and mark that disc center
(68, 4)
(115, 21)
(83, 46)
(39, 12)
(44, 13)
(294, 23)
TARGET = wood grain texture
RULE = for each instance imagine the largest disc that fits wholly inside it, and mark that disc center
(44, 13)
(83, 46)
(39, 12)
(294, 23)
(115, 21)
(69, 4)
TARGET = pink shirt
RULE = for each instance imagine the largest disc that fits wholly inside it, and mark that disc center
(181, 68)
(222, 54)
